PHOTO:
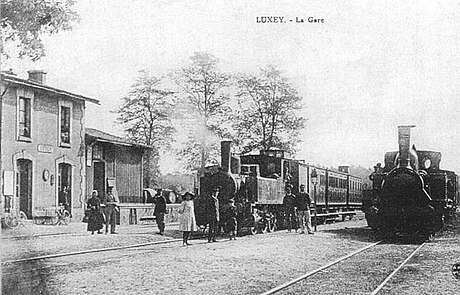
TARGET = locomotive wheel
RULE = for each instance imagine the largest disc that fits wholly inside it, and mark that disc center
(263, 228)
(271, 227)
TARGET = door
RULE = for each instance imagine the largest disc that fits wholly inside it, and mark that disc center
(24, 186)
(99, 178)
(65, 186)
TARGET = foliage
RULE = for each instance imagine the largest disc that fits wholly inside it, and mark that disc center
(145, 114)
(191, 153)
(179, 183)
(267, 112)
(203, 106)
(23, 22)
(362, 172)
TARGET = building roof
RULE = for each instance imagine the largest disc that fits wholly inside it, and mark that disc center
(24, 82)
(105, 137)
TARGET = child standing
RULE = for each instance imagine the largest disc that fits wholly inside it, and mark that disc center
(232, 219)
(187, 220)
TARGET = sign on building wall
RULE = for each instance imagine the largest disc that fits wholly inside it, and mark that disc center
(89, 155)
(45, 148)
(8, 183)
(97, 152)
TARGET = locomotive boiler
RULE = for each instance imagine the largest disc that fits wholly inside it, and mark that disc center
(411, 195)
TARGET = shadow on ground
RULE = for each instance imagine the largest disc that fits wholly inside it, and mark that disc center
(362, 234)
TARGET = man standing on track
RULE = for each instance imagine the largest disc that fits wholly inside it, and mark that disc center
(212, 214)
(303, 203)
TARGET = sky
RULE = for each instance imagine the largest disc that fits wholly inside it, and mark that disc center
(366, 69)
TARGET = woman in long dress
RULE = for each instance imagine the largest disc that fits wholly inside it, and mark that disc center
(96, 219)
(187, 219)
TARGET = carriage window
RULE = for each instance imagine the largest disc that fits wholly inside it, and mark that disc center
(322, 180)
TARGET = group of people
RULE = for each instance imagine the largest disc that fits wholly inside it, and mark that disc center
(187, 221)
(297, 207)
(102, 211)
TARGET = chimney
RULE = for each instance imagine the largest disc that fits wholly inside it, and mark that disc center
(404, 145)
(225, 155)
(37, 76)
(344, 169)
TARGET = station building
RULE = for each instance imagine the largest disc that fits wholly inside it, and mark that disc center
(116, 162)
(42, 143)
(49, 158)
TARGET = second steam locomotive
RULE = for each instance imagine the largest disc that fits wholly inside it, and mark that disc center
(257, 185)
(411, 194)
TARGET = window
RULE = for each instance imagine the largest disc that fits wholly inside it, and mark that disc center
(24, 117)
(250, 169)
(322, 180)
(97, 152)
(65, 124)
(271, 168)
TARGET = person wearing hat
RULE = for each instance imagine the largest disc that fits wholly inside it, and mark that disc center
(289, 207)
(110, 203)
(212, 214)
(231, 222)
(187, 221)
(303, 202)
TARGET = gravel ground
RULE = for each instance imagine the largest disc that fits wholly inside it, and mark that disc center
(430, 271)
(249, 265)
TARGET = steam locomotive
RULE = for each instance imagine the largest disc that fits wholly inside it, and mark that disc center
(411, 195)
(257, 182)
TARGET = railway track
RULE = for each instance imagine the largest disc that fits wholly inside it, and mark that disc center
(73, 253)
(301, 285)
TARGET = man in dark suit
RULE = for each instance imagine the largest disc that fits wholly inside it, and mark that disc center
(289, 203)
(212, 214)
(160, 210)
(303, 202)
(111, 208)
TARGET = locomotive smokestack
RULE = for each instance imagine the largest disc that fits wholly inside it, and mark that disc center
(404, 145)
(225, 155)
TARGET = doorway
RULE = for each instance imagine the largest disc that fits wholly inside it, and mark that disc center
(65, 186)
(24, 186)
(99, 178)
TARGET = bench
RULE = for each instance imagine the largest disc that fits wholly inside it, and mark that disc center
(147, 218)
(49, 216)
(43, 218)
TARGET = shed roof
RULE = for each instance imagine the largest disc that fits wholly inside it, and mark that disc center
(106, 137)
(24, 82)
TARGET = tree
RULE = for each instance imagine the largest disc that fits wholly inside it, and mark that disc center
(23, 22)
(145, 114)
(267, 113)
(203, 105)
